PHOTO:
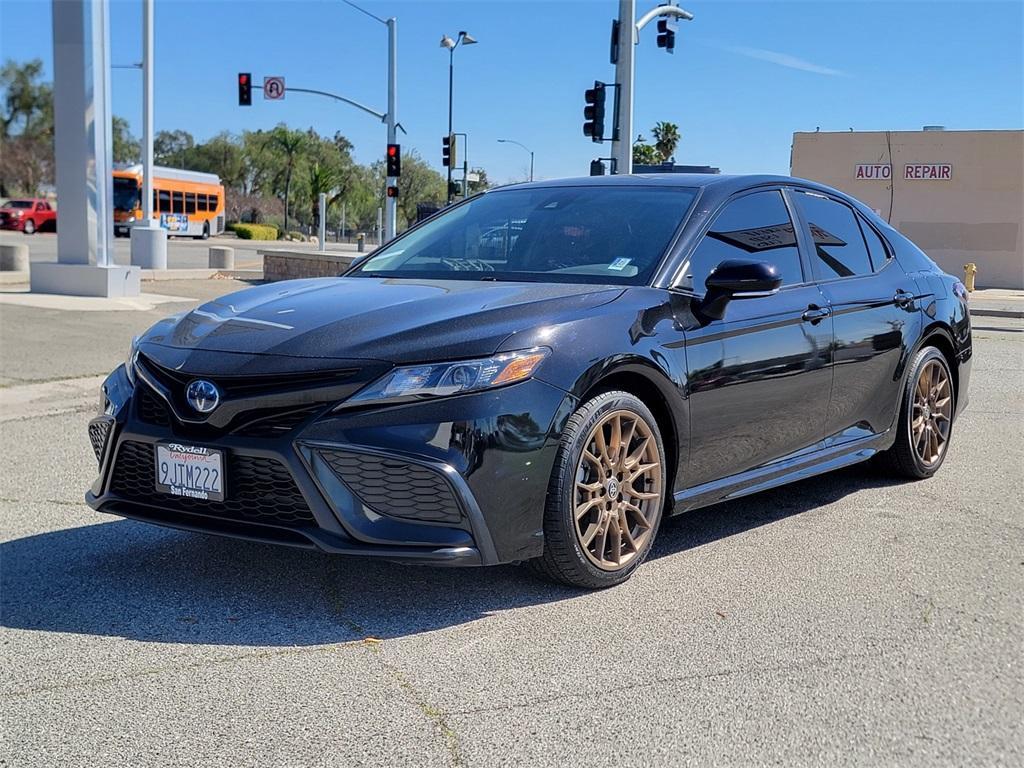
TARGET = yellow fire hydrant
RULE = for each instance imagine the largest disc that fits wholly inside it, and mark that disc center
(970, 270)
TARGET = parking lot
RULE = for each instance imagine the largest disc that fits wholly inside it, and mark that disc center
(182, 252)
(848, 619)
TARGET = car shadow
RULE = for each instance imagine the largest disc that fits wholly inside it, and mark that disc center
(708, 524)
(128, 579)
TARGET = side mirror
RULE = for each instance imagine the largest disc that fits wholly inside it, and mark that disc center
(738, 279)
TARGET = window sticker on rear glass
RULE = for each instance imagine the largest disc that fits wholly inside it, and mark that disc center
(619, 264)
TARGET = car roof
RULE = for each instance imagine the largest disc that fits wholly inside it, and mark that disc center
(723, 183)
(657, 180)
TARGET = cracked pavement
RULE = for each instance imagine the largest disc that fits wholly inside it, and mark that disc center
(845, 620)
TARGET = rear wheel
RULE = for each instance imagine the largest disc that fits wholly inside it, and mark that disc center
(206, 231)
(29, 228)
(606, 494)
(926, 418)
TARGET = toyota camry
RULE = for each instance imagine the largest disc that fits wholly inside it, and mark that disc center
(543, 372)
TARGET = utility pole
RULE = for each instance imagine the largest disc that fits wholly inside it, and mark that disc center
(149, 239)
(625, 69)
(147, 110)
(391, 118)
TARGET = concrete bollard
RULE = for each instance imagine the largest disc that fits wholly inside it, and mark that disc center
(222, 257)
(14, 258)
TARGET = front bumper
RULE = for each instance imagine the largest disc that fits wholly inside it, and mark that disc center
(458, 481)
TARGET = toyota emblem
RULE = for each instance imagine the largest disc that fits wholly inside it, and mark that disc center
(202, 395)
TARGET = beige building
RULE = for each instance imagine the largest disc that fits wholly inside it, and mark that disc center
(958, 194)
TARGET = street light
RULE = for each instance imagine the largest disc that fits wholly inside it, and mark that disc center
(520, 144)
(463, 38)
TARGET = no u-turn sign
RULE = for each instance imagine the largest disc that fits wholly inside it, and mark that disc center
(273, 88)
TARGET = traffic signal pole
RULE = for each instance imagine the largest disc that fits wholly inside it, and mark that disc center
(622, 143)
(625, 67)
(391, 203)
(451, 83)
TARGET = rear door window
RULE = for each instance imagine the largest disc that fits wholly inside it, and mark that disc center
(876, 246)
(839, 247)
(753, 227)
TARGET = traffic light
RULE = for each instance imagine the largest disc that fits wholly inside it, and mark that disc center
(593, 112)
(454, 189)
(244, 89)
(392, 191)
(596, 168)
(667, 35)
(394, 160)
(448, 151)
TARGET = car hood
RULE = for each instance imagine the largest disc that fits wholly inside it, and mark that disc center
(398, 321)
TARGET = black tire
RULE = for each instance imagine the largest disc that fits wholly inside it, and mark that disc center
(29, 227)
(902, 459)
(206, 231)
(563, 559)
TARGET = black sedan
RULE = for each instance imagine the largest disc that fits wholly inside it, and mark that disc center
(541, 373)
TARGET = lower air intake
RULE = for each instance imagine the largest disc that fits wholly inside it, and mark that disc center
(396, 488)
(99, 431)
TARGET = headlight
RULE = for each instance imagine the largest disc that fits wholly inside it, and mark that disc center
(130, 360)
(443, 379)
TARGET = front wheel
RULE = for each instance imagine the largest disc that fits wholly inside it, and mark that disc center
(606, 494)
(206, 231)
(29, 228)
(926, 418)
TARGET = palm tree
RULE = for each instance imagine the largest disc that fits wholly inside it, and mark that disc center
(291, 143)
(666, 139)
(321, 179)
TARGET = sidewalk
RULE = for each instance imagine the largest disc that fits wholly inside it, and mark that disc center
(997, 302)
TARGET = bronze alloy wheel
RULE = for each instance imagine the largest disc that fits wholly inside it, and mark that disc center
(618, 490)
(932, 413)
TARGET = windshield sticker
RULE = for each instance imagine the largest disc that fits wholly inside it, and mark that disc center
(619, 264)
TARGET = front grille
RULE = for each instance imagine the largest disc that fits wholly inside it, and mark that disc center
(396, 488)
(247, 385)
(151, 409)
(99, 430)
(277, 425)
(258, 489)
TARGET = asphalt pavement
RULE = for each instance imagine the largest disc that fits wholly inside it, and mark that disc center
(846, 620)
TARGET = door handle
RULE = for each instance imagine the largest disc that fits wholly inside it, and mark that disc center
(903, 298)
(815, 314)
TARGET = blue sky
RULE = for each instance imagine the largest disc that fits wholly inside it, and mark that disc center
(744, 77)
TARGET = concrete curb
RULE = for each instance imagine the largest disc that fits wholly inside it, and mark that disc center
(158, 275)
(984, 312)
(155, 275)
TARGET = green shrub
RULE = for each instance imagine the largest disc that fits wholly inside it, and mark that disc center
(254, 231)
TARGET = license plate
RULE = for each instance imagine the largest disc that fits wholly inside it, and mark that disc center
(191, 471)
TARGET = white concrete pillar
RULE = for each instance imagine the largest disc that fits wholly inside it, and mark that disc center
(83, 151)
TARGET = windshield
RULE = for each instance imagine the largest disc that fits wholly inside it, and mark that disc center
(126, 194)
(18, 204)
(591, 234)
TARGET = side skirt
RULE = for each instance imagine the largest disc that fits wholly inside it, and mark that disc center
(781, 472)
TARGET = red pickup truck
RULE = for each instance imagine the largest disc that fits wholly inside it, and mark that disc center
(30, 215)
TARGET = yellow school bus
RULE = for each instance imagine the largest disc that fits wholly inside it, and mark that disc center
(185, 203)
